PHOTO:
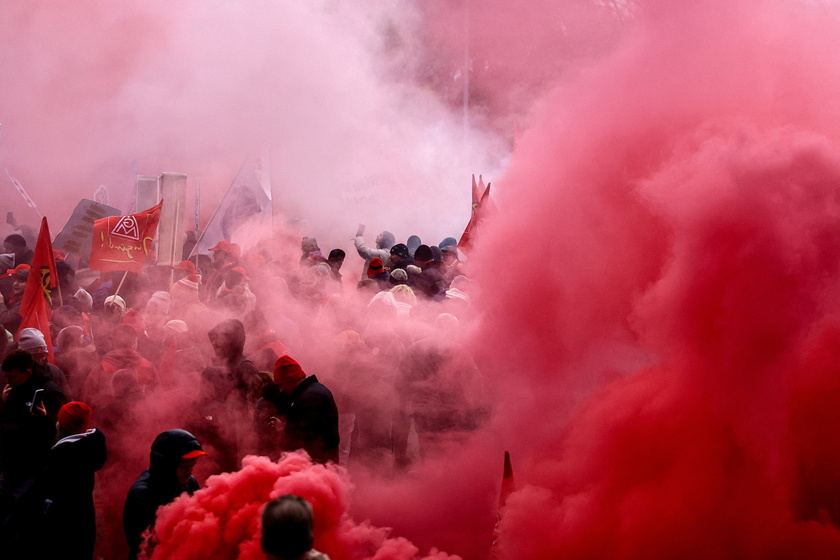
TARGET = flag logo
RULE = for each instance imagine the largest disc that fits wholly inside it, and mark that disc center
(127, 227)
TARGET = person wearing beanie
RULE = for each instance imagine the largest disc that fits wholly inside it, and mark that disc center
(228, 341)
(399, 256)
(430, 282)
(398, 276)
(384, 242)
(376, 271)
(32, 340)
(298, 412)
(173, 458)
(66, 486)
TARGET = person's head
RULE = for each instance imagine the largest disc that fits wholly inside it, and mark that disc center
(375, 268)
(385, 240)
(399, 253)
(308, 244)
(18, 367)
(448, 242)
(16, 244)
(174, 455)
(412, 243)
(336, 259)
(115, 306)
(32, 340)
(288, 374)
(423, 255)
(225, 252)
(125, 337)
(228, 338)
(449, 254)
(73, 418)
(19, 278)
(287, 528)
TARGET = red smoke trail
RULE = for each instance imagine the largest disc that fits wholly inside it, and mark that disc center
(667, 312)
(221, 521)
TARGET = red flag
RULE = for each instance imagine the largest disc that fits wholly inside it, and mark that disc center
(124, 242)
(36, 305)
(479, 214)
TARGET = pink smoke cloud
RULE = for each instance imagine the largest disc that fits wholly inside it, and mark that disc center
(222, 520)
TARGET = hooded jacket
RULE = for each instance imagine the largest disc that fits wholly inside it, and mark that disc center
(158, 485)
(66, 487)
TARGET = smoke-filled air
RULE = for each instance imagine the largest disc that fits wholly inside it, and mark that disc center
(430, 280)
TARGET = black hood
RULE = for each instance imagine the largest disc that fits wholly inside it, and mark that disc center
(168, 449)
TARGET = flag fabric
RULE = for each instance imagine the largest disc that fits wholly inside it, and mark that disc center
(476, 194)
(245, 207)
(36, 305)
(479, 215)
(124, 242)
(508, 487)
(22, 192)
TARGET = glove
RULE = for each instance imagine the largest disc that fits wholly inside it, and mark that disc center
(361, 230)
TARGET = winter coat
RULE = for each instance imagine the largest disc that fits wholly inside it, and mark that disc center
(26, 437)
(311, 419)
(66, 491)
(158, 485)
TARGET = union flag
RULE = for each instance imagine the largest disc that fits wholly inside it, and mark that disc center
(124, 242)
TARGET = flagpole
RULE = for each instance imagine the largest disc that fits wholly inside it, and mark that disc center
(121, 283)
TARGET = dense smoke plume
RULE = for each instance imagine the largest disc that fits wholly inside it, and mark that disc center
(658, 293)
(670, 298)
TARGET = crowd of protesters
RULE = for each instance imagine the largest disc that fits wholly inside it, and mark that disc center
(205, 360)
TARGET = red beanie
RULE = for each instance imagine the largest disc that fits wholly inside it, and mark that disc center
(74, 417)
(375, 267)
(287, 368)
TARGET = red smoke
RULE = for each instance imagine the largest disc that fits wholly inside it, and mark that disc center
(221, 521)
(667, 307)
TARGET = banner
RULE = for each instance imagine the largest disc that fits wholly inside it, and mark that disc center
(77, 233)
(36, 305)
(246, 203)
(124, 242)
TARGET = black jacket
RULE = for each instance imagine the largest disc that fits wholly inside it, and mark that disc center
(66, 491)
(311, 419)
(25, 437)
(158, 485)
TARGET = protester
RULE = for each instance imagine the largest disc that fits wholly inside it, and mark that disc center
(97, 388)
(173, 458)
(288, 530)
(66, 486)
(16, 245)
(301, 411)
(10, 318)
(28, 413)
(384, 242)
(32, 340)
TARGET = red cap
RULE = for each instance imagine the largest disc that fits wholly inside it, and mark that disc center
(287, 368)
(241, 271)
(193, 454)
(227, 247)
(12, 271)
(74, 417)
(189, 266)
